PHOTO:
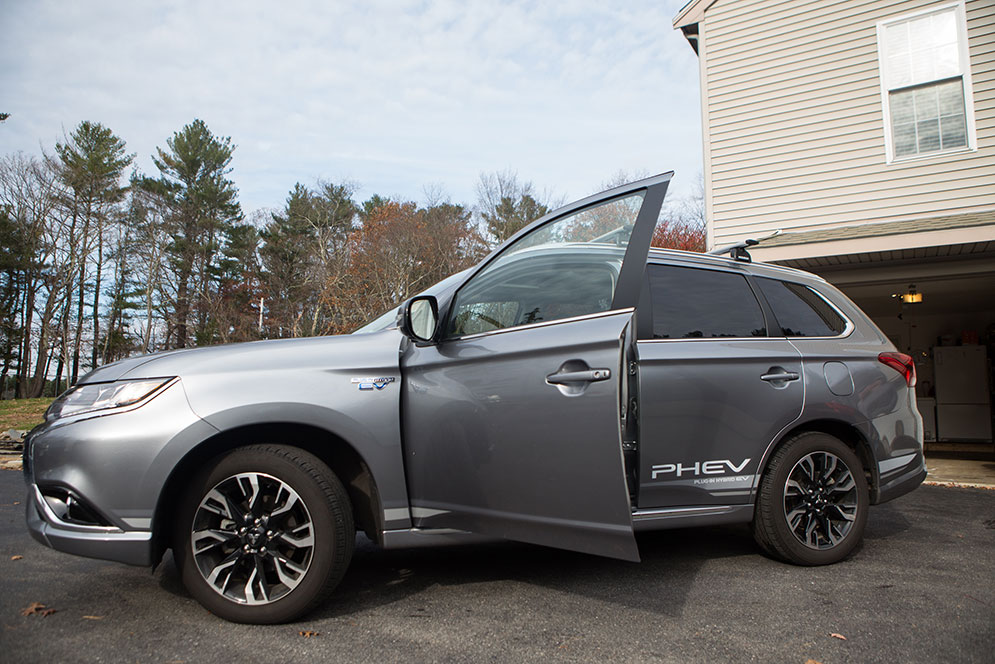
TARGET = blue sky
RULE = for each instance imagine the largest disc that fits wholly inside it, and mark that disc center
(393, 96)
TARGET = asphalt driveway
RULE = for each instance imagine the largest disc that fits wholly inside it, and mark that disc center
(921, 589)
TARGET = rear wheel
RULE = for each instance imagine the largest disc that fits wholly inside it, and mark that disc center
(813, 500)
(264, 535)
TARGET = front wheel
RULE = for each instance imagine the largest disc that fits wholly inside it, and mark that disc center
(812, 502)
(264, 535)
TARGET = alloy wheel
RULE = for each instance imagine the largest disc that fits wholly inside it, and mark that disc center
(252, 538)
(820, 500)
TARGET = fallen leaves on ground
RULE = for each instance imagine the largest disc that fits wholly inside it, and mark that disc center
(959, 485)
(93, 617)
(838, 636)
(37, 608)
(307, 634)
(16, 557)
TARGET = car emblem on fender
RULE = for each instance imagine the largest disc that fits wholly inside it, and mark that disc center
(369, 383)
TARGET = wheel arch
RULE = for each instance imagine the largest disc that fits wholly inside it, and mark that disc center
(342, 457)
(849, 434)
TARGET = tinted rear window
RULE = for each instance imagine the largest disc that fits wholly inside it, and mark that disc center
(800, 311)
(689, 303)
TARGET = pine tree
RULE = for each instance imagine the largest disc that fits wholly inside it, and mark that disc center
(203, 204)
(305, 250)
(92, 162)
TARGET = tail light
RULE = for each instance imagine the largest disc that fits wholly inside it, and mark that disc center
(901, 363)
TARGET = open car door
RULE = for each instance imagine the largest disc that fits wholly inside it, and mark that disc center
(511, 412)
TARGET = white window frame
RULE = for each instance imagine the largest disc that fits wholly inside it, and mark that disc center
(960, 18)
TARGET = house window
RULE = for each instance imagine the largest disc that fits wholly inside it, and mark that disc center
(926, 82)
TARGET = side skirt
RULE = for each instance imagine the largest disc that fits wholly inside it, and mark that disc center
(687, 517)
(642, 520)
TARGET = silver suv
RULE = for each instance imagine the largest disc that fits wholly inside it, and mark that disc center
(572, 389)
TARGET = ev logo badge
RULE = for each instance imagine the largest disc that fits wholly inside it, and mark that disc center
(716, 467)
(369, 383)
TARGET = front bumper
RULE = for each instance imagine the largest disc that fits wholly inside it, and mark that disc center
(116, 464)
(107, 543)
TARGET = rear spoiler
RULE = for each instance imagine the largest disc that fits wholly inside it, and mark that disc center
(739, 251)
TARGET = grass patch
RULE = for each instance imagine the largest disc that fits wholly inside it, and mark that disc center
(22, 414)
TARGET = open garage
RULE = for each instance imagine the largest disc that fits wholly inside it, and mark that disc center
(936, 303)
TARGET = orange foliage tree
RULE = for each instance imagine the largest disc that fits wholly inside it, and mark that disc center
(398, 250)
(682, 223)
(676, 234)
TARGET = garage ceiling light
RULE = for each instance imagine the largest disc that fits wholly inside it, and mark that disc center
(911, 297)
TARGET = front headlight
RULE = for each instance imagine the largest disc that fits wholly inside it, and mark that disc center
(100, 396)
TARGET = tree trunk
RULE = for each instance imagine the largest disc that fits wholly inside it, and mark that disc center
(96, 296)
(48, 367)
(182, 308)
(31, 288)
(78, 341)
(148, 319)
(38, 380)
(58, 376)
(84, 251)
(6, 368)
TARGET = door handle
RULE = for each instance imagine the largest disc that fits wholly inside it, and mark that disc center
(780, 376)
(589, 376)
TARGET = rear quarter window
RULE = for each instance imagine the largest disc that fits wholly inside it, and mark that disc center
(800, 311)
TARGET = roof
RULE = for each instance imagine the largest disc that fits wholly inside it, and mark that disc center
(692, 13)
(766, 269)
(857, 232)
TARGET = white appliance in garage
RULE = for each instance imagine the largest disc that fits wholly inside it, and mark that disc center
(963, 410)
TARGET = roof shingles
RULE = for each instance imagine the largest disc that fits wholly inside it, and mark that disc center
(886, 228)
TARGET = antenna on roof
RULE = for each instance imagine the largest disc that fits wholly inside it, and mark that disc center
(739, 251)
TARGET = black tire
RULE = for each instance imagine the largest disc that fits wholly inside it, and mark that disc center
(819, 517)
(275, 554)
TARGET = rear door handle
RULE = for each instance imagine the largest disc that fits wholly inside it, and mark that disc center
(781, 376)
(589, 376)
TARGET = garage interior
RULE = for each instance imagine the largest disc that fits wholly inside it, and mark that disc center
(936, 304)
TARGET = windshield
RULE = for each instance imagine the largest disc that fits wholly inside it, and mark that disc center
(389, 319)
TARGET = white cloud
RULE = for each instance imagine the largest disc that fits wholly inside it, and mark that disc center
(392, 95)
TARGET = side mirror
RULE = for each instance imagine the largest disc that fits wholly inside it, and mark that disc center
(420, 318)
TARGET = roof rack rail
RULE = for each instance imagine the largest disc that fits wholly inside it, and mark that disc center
(739, 251)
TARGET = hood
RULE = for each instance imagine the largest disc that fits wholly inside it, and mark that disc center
(257, 355)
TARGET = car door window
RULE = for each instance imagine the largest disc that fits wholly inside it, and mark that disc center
(800, 311)
(690, 303)
(565, 269)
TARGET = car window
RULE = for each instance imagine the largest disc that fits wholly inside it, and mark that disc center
(545, 288)
(690, 303)
(800, 311)
(566, 268)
